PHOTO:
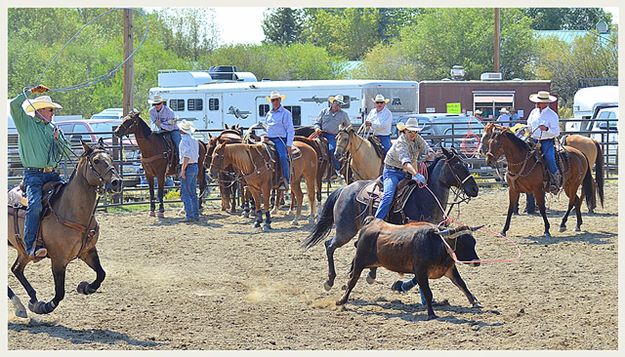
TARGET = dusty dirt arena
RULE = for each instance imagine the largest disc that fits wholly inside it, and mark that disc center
(222, 284)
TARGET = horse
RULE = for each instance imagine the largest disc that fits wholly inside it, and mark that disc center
(254, 163)
(526, 173)
(592, 150)
(69, 230)
(155, 158)
(229, 185)
(343, 210)
(365, 163)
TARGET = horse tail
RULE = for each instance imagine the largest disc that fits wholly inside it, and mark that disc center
(326, 220)
(587, 190)
(599, 171)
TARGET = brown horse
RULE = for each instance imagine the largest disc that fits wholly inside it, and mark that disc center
(365, 163)
(526, 173)
(69, 231)
(592, 150)
(228, 182)
(257, 168)
(155, 158)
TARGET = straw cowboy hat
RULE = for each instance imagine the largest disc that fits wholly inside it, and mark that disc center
(156, 99)
(478, 112)
(411, 124)
(338, 99)
(542, 97)
(44, 101)
(504, 111)
(187, 127)
(275, 95)
(380, 98)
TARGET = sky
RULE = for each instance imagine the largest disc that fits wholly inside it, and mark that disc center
(243, 24)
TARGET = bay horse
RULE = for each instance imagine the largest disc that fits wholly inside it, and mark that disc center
(526, 173)
(365, 164)
(229, 184)
(257, 168)
(155, 158)
(69, 231)
(347, 214)
(592, 150)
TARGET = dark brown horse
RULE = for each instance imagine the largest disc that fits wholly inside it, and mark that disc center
(155, 158)
(526, 173)
(229, 181)
(69, 230)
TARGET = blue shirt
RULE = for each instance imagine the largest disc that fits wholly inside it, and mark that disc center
(280, 125)
(167, 117)
(189, 147)
(504, 120)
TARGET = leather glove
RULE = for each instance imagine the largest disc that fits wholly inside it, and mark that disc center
(419, 178)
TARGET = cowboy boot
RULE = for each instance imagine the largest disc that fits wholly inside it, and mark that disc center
(554, 185)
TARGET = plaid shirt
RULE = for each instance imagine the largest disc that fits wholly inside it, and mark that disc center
(404, 150)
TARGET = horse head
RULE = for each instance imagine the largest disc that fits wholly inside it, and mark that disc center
(217, 161)
(99, 169)
(456, 173)
(130, 124)
(342, 141)
(494, 142)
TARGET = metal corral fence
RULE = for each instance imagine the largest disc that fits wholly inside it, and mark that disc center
(463, 136)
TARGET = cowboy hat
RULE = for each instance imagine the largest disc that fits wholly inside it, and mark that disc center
(186, 126)
(275, 95)
(542, 97)
(503, 111)
(478, 112)
(156, 99)
(380, 98)
(44, 101)
(338, 99)
(413, 125)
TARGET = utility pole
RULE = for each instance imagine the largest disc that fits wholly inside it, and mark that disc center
(128, 102)
(497, 40)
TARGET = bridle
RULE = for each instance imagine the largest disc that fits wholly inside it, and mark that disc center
(91, 165)
(349, 133)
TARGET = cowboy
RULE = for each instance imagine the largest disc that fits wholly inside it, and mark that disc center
(381, 120)
(328, 123)
(281, 132)
(478, 115)
(545, 127)
(189, 153)
(404, 156)
(165, 120)
(41, 147)
(504, 117)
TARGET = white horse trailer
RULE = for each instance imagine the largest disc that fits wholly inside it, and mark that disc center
(211, 104)
(586, 100)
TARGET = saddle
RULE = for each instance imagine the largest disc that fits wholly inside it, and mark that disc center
(171, 153)
(270, 148)
(320, 144)
(377, 145)
(371, 194)
(562, 159)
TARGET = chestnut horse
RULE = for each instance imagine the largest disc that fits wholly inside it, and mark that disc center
(526, 173)
(155, 158)
(229, 185)
(70, 231)
(365, 163)
(592, 150)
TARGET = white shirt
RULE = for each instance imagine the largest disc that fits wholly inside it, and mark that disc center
(189, 147)
(548, 118)
(381, 122)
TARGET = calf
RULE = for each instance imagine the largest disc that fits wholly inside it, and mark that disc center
(417, 248)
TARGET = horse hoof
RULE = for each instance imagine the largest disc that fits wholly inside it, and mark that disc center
(245, 215)
(397, 286)
(38, 308)
(294, 223)
(562, 228)
(503, 234)
(578, 229)
(21, 313)
(547, 235)
(370, 280)
(340, 302)
(161, 214)
(327, 286)
(266, 228)
(432, 317)
(152, 214)
(477, 305)
(84, 288)
(256, 225)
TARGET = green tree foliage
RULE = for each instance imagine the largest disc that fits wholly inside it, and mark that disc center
(283, 25)
(189, 32)
(566, 18)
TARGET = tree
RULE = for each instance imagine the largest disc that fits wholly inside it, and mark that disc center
(566, 18)
(190, 31)
(283, 25)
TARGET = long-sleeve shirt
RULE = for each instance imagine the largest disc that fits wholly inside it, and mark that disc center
(504, 120)
(36, 138)
(381, 122)
(404, 151)
(189, 147)
(548, 118)
(167, 117)
(280, 125)
(329, 122)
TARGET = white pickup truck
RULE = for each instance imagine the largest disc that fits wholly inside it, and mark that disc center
(604, 130)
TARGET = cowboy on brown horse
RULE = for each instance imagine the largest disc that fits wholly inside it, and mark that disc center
(165, 120)
(281, 132)
(328, 123)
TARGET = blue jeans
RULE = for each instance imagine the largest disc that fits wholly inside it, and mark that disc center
(188, 192)
(175, 137)
(283, 156)
(386, 142)
(332, 146)
(34, 181)
(549, 153)
(391, 179)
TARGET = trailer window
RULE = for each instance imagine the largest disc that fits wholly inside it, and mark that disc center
(490, 103)
(176, 105)
(213, 104)
(263, 109)
(296, 110)
(194, 105)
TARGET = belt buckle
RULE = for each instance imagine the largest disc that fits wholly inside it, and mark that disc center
(47, 170)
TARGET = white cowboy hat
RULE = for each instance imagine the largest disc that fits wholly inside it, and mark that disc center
(338, 99)
(156, 99)
(44, 101)
(275, 95)
(478, 112)
(186, 126)
(542, 97)
(413, 125)
(380, 98)
(504, 111)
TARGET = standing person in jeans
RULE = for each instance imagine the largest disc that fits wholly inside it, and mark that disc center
(189, 152)
(41, 148)
(381, 120)
(404, 157)
(328, 123)
(281, 132)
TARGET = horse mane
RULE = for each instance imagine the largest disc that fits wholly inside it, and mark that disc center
(145, 128)
(520, 144)
(431, 165)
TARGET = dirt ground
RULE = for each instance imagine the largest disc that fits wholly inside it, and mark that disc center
(222, 284)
